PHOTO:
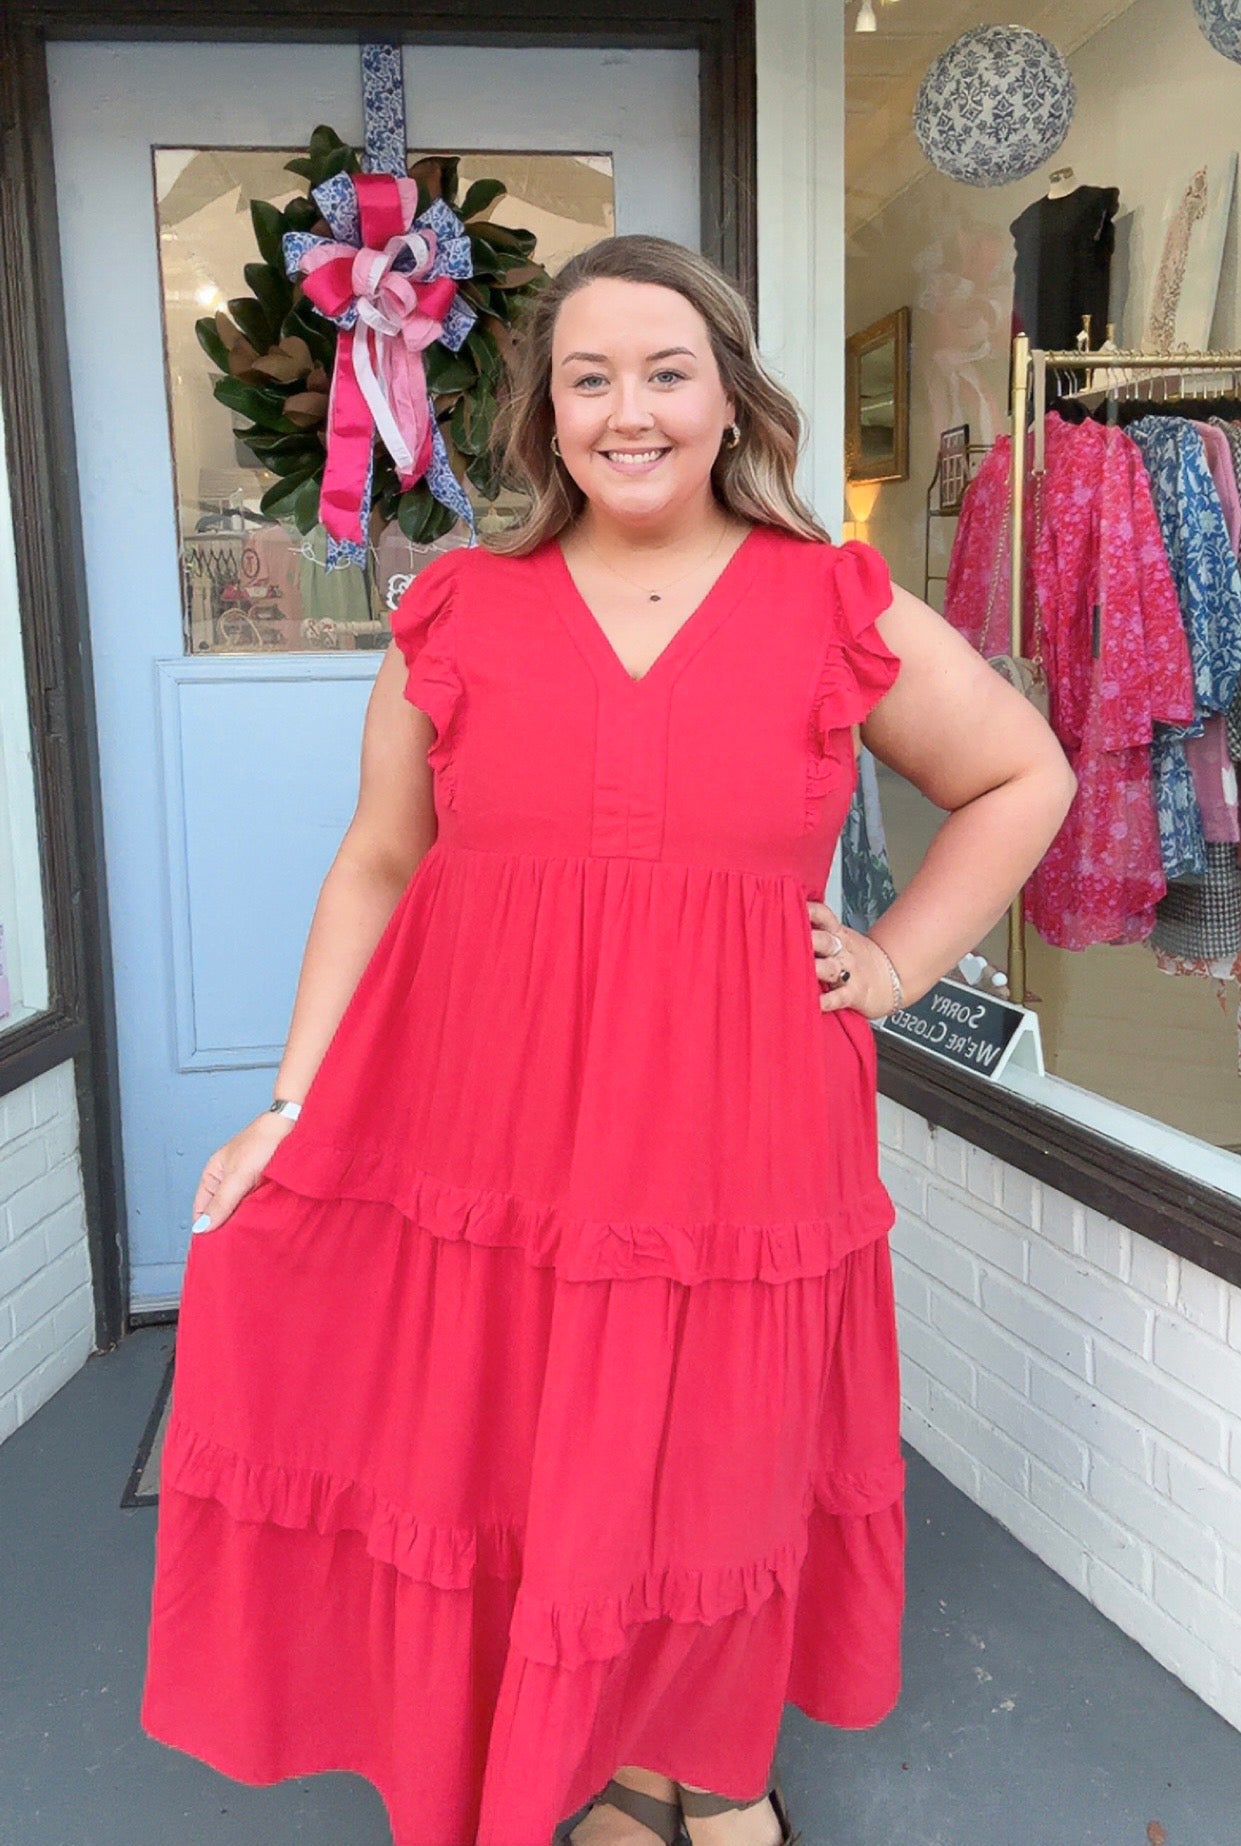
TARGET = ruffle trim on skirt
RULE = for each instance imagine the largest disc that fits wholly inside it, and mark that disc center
(582, 1250)
(567, 1632)
(449, 1557)
(559, 1631)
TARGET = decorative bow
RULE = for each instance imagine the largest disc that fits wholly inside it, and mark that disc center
(387, 278)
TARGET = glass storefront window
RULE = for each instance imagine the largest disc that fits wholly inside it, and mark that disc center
(1131, 222)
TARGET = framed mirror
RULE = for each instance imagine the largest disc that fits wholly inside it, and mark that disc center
(877, 400)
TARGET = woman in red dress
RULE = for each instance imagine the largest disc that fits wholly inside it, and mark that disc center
(535, 1426)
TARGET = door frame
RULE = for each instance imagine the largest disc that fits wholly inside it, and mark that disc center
(80, 1022)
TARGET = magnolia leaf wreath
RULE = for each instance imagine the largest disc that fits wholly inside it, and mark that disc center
(277, 352)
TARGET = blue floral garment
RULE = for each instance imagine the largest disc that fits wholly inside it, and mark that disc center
(866, 877)
(1208, 584)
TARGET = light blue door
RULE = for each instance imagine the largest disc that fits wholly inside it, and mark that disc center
(228, 780)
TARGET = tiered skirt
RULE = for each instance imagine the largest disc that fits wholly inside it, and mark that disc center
(445, 1503)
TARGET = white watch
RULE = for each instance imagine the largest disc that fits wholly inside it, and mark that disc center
(281, 1107)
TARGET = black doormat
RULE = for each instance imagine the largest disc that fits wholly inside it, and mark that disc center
(142, 1487)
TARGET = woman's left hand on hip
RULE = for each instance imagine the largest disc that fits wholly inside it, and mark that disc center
(850, 969)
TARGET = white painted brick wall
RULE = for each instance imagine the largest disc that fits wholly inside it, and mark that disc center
(47, 1315)
(1081, 1384)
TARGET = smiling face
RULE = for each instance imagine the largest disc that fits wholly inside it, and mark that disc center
(639, 404)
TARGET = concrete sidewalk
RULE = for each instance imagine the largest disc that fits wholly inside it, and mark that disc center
(1027, 1718)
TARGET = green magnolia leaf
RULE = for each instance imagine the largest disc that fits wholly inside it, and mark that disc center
(413, 510)
(482, 193)
(450, 169)
(323, 139)
(306, 506)
(440, 523)
(268, 443)
(300, 214)
(272, 292)
(471, 423)
(278, 502)
(504, 237)
(520, 275)
(448, 371)
(296, 465)
(266, 408)
(269, 227)
(482, 419)
(259, 441)
(388, 501)
(247, 438)
(305, 442)
(305, 320)
(421, 517)
(519, 297)
(254, 323)
(483, 472)
(340, 160)
(485, 354)
(512, 261)
(385, 472)
(460, 427)
(478, 294)
(484, 255)
(211, 343)
(306, 168)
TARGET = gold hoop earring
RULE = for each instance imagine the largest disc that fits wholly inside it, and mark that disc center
(732, 436)
(556, 447)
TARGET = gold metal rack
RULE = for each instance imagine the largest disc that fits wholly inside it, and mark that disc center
(1030, 368)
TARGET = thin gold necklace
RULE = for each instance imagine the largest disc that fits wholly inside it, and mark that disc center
(655, 596)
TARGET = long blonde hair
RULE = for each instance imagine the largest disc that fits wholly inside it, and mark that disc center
(754, 480)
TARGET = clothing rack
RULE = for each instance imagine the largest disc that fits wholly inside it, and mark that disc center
(1030, 368)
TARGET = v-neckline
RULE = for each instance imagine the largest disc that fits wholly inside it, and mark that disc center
(694, 629)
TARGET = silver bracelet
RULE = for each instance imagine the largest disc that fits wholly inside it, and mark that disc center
(283, 1107)
(898, 997)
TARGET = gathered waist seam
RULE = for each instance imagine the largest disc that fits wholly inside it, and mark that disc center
(597, 858)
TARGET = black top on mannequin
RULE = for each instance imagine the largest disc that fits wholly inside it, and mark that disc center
(1064, 243)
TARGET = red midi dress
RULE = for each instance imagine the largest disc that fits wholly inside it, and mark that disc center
(538, 1410)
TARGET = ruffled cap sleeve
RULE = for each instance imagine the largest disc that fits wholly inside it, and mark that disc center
(423, 627)
(858, 667)
(422, 624)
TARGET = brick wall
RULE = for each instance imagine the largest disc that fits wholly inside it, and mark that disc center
(47, 1317)
(1081, 1384)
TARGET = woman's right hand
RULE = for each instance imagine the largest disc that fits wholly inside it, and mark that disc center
(236, 1168)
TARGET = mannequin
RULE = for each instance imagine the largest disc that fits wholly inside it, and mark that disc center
(1063, 255)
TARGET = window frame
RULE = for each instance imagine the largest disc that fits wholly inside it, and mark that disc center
(1159, 1202)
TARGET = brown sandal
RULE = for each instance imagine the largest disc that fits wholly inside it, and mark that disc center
(662, 1817)
(696, 1804)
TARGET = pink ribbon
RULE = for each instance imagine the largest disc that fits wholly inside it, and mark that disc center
(379, 382)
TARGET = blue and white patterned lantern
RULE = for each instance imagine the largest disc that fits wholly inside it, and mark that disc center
(1220, 21)
(995, 105)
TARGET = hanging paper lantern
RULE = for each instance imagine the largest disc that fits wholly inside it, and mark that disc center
(995, 105)
(1220, 21)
